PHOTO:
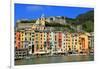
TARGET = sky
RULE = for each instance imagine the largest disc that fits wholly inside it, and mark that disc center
(32, 11)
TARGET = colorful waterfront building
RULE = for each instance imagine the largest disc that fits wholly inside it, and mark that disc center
(83, 43)
(39, 41)
(48, 40)
(75, 42)
(22, 38)
(58, 41)
(52, 41)
(17, 40)
(68, 42)
(31, 46)
(27, 37)
(64, 42)
(45, 40)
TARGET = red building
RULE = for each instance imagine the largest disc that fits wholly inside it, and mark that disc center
(60, 39)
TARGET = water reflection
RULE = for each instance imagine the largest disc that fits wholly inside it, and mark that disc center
(57, 59)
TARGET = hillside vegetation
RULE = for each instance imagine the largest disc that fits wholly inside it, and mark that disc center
(85, 21)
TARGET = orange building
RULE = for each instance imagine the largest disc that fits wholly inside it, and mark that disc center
(77, 42)
(83, 43)
(17, 39)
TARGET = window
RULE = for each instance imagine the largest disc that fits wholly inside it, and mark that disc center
(80, 48)
(75, 42)
(36, 41)
(51, 19)
(36, 34)
(19, 38)
(25, 39)
(32, 32)
(32, 35)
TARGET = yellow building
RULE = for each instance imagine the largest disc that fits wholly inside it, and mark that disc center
(22, 38)
(77, 42)
(25, 38)
(68, 42)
